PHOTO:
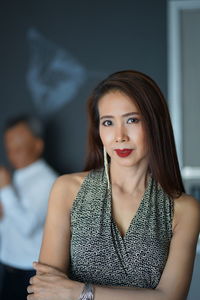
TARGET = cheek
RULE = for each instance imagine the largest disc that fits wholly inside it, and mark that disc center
(143, 141)
(138, 136)
(106, 135)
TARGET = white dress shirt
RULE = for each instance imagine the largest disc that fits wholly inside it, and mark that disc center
(24, 210)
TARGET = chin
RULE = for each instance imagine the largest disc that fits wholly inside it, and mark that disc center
(129, 162)
(124, 162)
(18, 165)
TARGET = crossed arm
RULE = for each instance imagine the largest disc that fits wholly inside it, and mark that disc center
(52, 283)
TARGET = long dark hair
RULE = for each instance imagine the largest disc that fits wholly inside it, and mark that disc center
(163, 162)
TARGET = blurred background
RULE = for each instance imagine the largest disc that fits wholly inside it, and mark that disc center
(53, 53)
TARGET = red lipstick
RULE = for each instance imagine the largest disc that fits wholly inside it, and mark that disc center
(123, 152)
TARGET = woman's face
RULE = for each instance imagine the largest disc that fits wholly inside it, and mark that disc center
(121, 129)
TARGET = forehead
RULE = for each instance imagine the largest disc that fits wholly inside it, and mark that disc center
(18, 134)
(117, 101)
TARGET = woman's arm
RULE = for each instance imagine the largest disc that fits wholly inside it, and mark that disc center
(176, 277)
(51, 281)
(56, 237)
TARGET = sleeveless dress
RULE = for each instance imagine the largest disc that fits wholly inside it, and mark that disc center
(98, 252)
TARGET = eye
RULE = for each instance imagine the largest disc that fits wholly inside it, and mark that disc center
(107, 123)
(132, 120)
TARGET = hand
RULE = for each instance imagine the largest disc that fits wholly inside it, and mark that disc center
(1, 211)
(5, 177)
(52, 284)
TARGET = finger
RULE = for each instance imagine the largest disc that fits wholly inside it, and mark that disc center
(30, 289)
(47, 278)
(33, 279)
(38, 278)
(43, 268)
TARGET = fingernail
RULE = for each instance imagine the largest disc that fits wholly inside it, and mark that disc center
(34, 264)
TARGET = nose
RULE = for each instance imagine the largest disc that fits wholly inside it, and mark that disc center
(121, 135)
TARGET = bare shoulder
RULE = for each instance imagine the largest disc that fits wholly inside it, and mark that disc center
(186, 202)
(187, 210)
(71, 181)
(66, 187)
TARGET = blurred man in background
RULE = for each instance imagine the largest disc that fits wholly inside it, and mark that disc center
(23, 204)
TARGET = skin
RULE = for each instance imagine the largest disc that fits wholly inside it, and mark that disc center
(124, 129)
(5, 177)
(128, 179)
(1, 211)
(22, 149)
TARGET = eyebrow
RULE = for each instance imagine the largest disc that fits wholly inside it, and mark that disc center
(124, 115)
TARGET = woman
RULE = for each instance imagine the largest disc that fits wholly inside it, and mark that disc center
(124, 227)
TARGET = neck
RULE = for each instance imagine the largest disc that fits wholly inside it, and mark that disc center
(128, 179)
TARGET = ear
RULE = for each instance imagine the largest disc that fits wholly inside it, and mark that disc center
(39, 146)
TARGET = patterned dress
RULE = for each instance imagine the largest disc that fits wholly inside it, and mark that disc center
(100, 255)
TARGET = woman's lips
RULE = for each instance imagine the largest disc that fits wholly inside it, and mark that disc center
(123, 152)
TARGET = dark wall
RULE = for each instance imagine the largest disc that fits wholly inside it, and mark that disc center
(72, 45)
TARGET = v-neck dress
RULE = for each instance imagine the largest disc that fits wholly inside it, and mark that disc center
(98, 252)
